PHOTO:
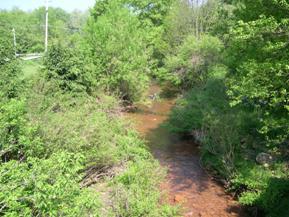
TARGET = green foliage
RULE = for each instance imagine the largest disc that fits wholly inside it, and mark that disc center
(70, 71)
(10, 72)
(274, 200)
(30, 68)
(131, 200)
(10, 82)
(258, 59)
(193, 18)
(178, 24)
(149, 12)
(243, 111)
(51, 133)
(88, 126)
(73, 132)
(247, 10)
(6, 46)
(116, 44)
(60, 124)
(152, 15)
(47, 187)
(246, 113)
(230, 142)
(190, 66)
(153, 11)
(140, 46)
(18, 138)
(225, 18)
(29, 27)
(199, 102)
(31, 184)
(85, 125)
(266, 188)
(257, 56)
(221, 130)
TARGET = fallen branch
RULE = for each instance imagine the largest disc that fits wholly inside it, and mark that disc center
(94, 174)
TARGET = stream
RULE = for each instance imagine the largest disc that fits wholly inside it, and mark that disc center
(186, 184)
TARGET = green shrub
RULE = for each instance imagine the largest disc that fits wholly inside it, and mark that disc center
(10, 72)
(68, 69)
(116, 44)
(258, 59)
(191, 64)
(53, 135)
(6, 46)
(137, 193)
(65, 125)
(10, 80)
(18, 138)
(266, 188)
(89, 126)
(46, 187)
(275, 199)
(200, 103)
(84, 124)
(230, 142)
(76, 132)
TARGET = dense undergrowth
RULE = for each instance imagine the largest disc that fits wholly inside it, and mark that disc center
(230, 142)
(235, 102)
(60, 131)
(49, 138)
(61, 134)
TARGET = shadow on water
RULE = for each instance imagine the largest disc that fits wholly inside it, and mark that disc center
(187, 183)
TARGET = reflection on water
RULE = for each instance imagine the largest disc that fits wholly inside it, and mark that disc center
(187, 183)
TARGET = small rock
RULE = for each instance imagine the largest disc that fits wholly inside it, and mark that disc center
(153, 96)
(264, 159)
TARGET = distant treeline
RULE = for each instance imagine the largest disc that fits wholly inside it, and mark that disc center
(30, 26)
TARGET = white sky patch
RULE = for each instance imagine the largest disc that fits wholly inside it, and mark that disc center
(27, 5)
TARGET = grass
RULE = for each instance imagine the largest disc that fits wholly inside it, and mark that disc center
(30, 68)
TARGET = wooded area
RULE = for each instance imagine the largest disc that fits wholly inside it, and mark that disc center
(60, 117)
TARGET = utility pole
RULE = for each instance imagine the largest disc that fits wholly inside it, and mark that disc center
(46, 27)
(14, 42)
(197, 18)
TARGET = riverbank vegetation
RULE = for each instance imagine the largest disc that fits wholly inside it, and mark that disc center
(65, 150)
(236, 99)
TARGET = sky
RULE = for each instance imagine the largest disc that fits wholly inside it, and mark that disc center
(68, 5)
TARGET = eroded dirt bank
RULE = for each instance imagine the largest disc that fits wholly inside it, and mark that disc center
(187, 184)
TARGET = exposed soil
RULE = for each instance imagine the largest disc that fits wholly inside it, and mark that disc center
(187, 184)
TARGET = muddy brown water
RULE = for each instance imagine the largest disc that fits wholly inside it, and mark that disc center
(186, 184)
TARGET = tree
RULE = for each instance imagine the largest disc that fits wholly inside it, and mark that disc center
(258, 58)
(30, 27)
(194, 58)
(190, 18)
(116, 43)
(152, 11)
